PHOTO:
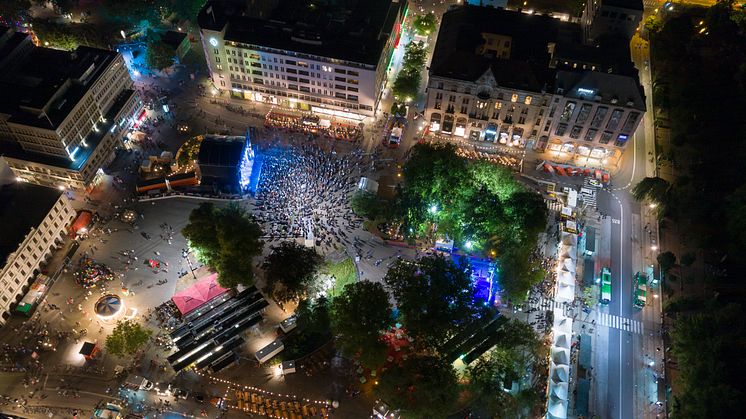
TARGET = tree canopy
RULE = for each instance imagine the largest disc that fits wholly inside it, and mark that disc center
(359, 315)
(710, 354)
(434, 297)
(225, 239)
(425, 24)
(127, 338)
(407, 82)
(289, 270)
(423, 386)
(366, 204)
(475, 202)
(160, 55)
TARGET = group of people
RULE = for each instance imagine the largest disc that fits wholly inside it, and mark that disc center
(304, 192)
(313, 126)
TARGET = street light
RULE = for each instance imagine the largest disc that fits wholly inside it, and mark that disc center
(468, 244)
(654, 248)
(433, 209)
(185, 255)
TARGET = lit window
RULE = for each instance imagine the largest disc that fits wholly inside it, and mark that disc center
(514, 98)
(528, 100)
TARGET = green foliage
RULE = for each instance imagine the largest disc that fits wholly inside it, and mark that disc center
(290, 269)
(475, 201)
(225, 239)
(434, 297)
(343, 272)
(710, 353)
(407, 83)
(186, 9)
(654, 189)
(127, 338)
(425, 24)
(422, 386)
(398, 109)
(666, 261)
(68, 36)
(160, 56)
(359, 315)
(700, 65)
(366, 204)
(313, 329)
(134, 12)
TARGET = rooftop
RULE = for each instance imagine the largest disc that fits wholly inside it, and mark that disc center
(14, 150)
(627, 4)
(350, 30)
(46, 84)
(224, 151)
(527, 66)
(173, 38)
(24, 207)
(607, 88)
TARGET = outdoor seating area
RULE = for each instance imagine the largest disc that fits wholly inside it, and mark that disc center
(256, 403)
(474, 340)
(207, 338)
(313, 125)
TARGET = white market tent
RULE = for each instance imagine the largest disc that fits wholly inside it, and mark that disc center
(562, 324)
(562, 340)
(557, 407)
(560, 356)
(560, 373)
(559, 391)
(569, 239)
(566, 278)
(565, 293)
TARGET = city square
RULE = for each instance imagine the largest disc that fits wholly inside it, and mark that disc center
(389, 209)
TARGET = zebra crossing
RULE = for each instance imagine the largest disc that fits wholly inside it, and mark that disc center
(553, 205)
(588, 193)
(545, 304)
(618, 322)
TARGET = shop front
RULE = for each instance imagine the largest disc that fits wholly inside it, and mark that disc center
(460, 130)
(447, 124)
(490, 133)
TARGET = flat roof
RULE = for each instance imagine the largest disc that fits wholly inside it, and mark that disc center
(46, 84)
(15, 151)
(24, 206)
(352, 30)
(223, 151)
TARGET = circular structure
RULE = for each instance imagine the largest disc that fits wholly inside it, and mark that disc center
(108, 306)
(129, 216)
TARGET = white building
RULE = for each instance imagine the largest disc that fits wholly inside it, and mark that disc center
(63, 113)
(527, 81)
(34, 221)
(331, 59)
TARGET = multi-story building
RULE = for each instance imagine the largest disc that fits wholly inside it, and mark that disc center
(605, 17)
(64, 112)
(327, 57)
(35, 219)
(527, 81)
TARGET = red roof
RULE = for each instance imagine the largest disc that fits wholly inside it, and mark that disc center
(83, 220)
(198, 294)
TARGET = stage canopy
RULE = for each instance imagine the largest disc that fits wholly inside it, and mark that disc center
(198, 294)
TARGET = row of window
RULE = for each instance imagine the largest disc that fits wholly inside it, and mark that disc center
(305, 97)
(300, 64)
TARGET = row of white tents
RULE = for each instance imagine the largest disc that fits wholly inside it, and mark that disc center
(559, 367)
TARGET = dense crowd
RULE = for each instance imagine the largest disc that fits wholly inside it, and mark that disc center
(304, 192)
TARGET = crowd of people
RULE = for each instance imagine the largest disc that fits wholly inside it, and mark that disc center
(304, 192)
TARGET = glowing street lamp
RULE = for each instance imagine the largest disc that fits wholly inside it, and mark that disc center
(469, 244)
(433, 209)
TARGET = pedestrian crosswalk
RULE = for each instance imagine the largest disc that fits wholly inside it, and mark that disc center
(553, 205)
(588, 193)
(545, 304)
(618, 322)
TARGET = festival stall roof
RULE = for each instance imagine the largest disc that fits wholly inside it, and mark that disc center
(561, 341)
(557, 407)
(567, 278)
(198, 294)
(81, 222)
(565, 293)
(559, 390)
(562, 324)
(561, 356)
(560, 373)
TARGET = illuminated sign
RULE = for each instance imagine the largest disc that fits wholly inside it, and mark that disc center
(213, 42)
(586, 92)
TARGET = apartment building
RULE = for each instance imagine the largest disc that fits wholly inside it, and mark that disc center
(65, 111)
(35, 219)
(328, 58)
(528, 81)
(604, 17)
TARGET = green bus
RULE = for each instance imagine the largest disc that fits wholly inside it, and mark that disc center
(640, 295)
(605, 286)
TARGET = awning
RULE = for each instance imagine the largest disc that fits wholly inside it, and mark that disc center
(81, 222)
(198, 294)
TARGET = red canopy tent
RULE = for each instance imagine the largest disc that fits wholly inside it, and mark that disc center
(81, 222)
(198, 294)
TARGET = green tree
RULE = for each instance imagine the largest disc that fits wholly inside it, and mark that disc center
(225, 239)
(653, 24)
(365, 204)
(666, 261)
(186, 9)
(422, 386)
(710, 355)
(425, 24)
(127, 338)
(434, 297)
(359, 314)
(160, 56)
(314, 316)
(290, 269)
(134, 12)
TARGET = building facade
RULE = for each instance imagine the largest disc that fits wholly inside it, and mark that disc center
(330, 65)
(517, 84)
(66, 113)
(40, 218)
(604, 17)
